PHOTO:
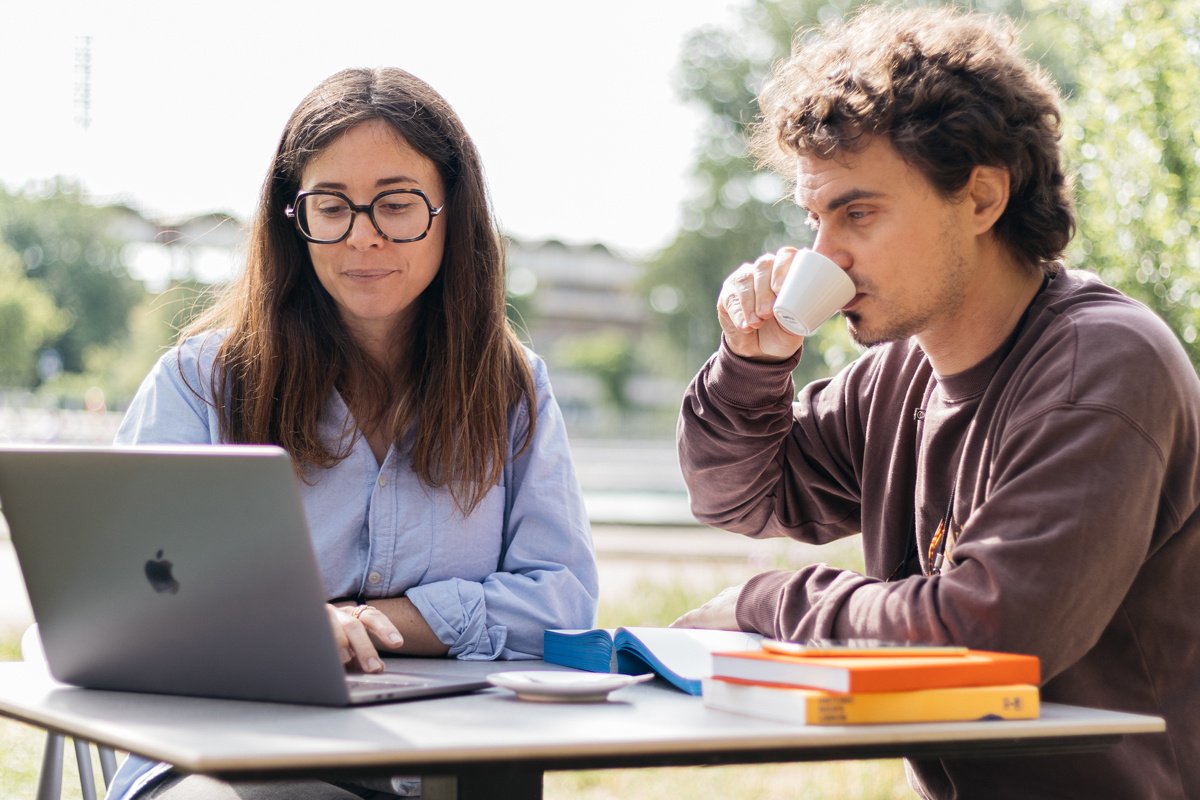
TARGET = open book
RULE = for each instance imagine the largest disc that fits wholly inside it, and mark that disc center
(683, 656)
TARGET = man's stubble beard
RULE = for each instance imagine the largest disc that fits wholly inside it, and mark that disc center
(899, 324)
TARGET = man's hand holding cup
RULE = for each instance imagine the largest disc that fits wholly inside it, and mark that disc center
(767, 308)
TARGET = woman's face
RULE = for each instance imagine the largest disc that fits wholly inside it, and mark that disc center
(373, 281)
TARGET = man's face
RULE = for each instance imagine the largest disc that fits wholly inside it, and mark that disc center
(906, 248)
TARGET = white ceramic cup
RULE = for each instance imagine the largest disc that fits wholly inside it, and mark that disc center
(813, 290)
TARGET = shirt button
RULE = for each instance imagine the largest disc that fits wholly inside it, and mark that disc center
(374, 578)
(383, 480)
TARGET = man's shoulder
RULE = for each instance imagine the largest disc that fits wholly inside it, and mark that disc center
(1096, 347)
(1109, 326)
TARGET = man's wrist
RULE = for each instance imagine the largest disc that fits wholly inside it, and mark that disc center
(762, 358)
(758, 601)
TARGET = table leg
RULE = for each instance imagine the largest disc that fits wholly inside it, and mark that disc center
(50, 779)
(497, 782)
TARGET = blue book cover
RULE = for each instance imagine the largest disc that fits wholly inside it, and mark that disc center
(681, 656)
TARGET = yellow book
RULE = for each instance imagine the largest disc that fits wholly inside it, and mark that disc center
(816, 707)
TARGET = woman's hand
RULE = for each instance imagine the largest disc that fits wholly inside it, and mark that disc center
(361, 631)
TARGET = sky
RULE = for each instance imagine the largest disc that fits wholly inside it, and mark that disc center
(573, 105)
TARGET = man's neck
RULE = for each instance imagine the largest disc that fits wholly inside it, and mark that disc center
(990, 312)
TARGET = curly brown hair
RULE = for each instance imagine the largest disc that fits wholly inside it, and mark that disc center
(951, 91)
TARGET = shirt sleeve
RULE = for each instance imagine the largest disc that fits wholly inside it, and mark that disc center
(547, 573)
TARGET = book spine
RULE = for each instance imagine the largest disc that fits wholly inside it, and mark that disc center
(813, 707)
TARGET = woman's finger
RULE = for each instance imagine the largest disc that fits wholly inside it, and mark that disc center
(381, 629)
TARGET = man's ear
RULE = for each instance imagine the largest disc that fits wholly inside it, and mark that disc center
(987, 191)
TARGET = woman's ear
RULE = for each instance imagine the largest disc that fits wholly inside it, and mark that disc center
(987, 190)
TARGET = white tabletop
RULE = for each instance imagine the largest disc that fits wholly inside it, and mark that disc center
(644, 724)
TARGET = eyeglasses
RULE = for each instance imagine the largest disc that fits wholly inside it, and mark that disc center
(399, 215)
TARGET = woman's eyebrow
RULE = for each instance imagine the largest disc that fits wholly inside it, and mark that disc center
(396, 179)
(390, 181)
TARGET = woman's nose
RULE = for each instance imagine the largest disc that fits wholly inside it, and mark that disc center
(363, 233)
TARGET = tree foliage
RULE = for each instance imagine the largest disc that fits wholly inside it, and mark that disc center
(116, 370)
(67, 249)
(28, 321)
(734, 212)
(1134, 137)
(609, 356)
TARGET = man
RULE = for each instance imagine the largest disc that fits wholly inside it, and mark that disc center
(1019, 444)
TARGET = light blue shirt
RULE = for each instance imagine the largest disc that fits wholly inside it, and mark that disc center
(488, 584)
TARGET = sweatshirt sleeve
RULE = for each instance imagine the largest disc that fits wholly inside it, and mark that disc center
(1040, 567)
(757, 463)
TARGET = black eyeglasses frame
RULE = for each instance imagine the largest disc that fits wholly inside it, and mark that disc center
(355, 209)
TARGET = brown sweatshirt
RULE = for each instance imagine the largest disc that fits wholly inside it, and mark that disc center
(1072, 455)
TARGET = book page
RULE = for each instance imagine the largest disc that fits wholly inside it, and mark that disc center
(681, 653)
(580, 648)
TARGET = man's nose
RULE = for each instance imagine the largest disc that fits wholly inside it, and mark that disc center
(831, 249)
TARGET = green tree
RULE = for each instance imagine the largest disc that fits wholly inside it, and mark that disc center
(117, 369)
(1133, 135)
(66, 247)
(28, 320)
(609, 356)
(734, 212)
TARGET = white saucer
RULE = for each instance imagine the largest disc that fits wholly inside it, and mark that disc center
(554, 686)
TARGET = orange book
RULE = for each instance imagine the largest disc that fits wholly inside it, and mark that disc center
(801, 706)
(878, 673)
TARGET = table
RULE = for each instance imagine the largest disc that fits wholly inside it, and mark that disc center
(491, 744)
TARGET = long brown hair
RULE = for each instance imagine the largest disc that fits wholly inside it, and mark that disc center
(286, 349)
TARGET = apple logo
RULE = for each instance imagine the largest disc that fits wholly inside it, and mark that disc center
(158, 572)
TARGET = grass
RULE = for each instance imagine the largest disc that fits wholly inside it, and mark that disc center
(648, 603)
(21, 749)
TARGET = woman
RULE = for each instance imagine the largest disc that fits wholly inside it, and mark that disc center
(367, 337)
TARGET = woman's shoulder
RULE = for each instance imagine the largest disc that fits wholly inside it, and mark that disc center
(202, 345)
(192, 356)
(537, 366)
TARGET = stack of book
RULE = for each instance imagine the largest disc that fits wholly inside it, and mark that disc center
(879, 687)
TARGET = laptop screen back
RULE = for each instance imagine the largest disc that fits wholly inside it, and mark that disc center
(185, 570)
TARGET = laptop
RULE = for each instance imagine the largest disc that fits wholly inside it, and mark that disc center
(182, 570)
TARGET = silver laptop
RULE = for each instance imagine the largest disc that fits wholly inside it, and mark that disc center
(182, 570)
